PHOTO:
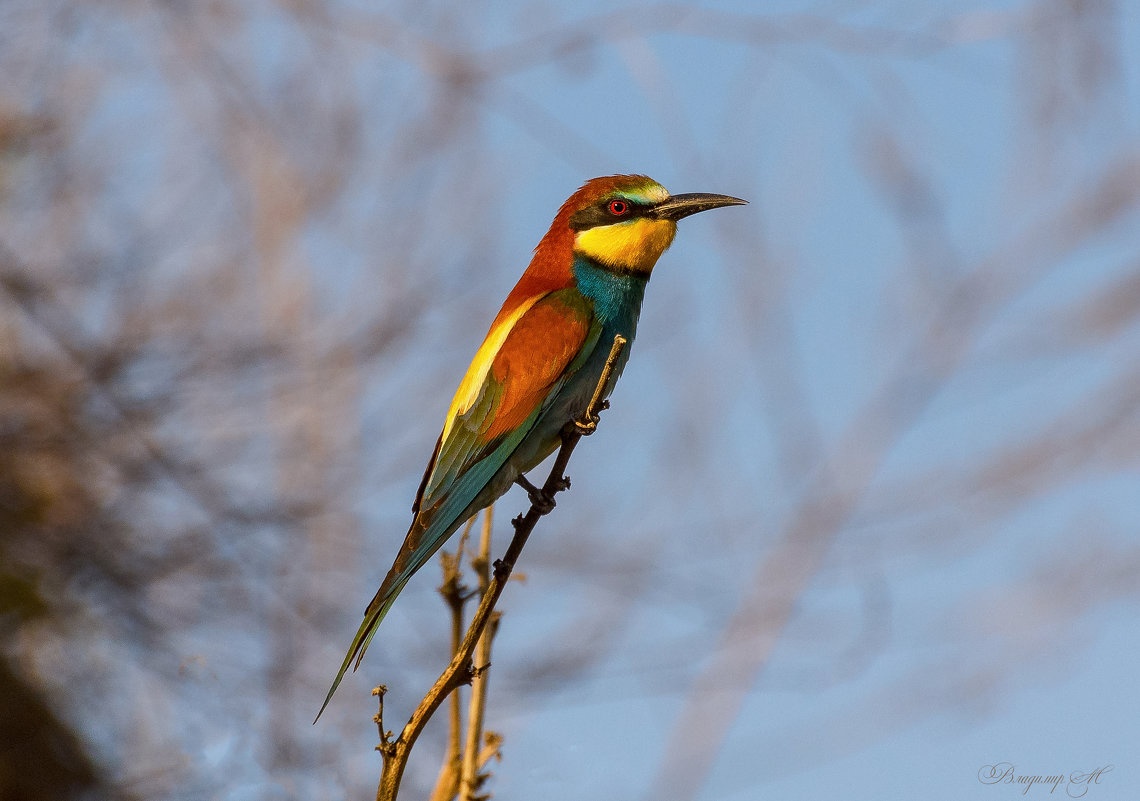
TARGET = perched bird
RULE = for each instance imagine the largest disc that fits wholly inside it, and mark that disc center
(540, 362)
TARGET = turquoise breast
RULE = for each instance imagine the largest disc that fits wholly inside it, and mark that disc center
(617, 296)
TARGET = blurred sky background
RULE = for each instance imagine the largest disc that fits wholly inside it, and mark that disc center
(863, 517)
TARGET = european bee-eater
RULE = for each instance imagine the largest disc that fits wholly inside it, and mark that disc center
(540, 362)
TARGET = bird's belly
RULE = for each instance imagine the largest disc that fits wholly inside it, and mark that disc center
(570, 404)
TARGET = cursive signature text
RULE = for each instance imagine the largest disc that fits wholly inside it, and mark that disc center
(1076, 783)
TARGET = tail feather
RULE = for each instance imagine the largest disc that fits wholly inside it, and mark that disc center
(372, 617)
(425, 537)
(429, 531)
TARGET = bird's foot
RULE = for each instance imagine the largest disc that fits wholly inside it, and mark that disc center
(587, 427)
(589, 424)
(539, 498)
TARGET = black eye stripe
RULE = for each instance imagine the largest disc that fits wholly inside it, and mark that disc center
(600, 214)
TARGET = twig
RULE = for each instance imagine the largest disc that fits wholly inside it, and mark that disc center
(455, 595)
(385, 746)
(490, 749)
(461, 670)
(470, 779)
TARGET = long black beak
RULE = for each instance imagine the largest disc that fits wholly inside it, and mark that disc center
(680, 206)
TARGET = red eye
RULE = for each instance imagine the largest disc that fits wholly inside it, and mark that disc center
(618, 207)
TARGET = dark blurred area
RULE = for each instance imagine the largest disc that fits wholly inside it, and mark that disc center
(56, 536)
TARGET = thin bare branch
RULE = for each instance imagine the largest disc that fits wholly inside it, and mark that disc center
(455, 595)
(470, 779)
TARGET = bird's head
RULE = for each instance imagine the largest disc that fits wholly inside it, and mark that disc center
(625, 222)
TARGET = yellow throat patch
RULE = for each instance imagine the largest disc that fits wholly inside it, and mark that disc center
(633, 245)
